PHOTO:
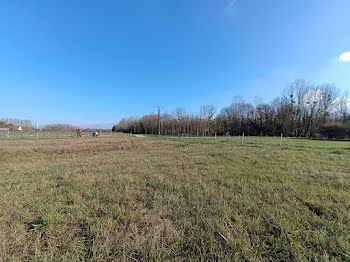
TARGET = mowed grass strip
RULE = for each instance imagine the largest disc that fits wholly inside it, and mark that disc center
(149, 199)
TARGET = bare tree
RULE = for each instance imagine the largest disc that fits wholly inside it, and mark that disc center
(208, 112)
(301, 110)
(59, 127)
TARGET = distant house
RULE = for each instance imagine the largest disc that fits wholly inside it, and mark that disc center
(14, 128)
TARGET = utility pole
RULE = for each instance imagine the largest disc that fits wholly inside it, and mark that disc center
(37, 130)
(158, 119)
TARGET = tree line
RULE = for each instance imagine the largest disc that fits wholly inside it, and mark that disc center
(303, 110)
(59, 127)
(16, 122)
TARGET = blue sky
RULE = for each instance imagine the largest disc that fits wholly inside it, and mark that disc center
(91, 63)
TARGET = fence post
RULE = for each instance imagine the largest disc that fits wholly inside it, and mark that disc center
(260, 136)
(242, 138)
(281, 139)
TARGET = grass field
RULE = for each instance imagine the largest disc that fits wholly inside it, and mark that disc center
(149, 199)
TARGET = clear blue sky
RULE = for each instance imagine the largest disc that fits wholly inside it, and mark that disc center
(92, 62)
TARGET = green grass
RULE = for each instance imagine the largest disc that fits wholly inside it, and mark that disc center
(151, 199)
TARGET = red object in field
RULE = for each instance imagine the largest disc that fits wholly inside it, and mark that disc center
(78, 132)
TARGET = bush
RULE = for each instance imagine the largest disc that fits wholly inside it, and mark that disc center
(335, 130)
